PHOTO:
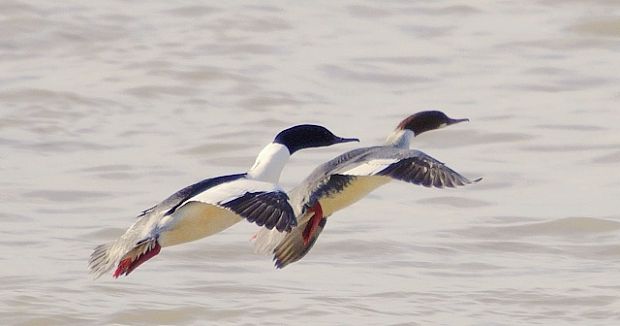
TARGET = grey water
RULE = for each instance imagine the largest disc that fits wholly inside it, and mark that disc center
(108, 107)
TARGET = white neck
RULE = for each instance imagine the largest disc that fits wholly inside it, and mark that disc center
(269, 163)
(400, 138)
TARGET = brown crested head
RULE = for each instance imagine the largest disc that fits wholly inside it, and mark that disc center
(427, 120)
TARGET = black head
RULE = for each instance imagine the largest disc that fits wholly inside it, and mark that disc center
(306, 136)
(427, 120)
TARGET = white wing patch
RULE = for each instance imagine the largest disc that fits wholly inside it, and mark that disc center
(371, 167)
(224, 193)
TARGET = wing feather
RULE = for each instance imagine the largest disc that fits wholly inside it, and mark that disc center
(268, 209)
(414, 167)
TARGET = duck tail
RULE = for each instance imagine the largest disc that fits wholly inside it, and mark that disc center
(107, 255)
(143, 251)
(265, 240)
(101, 260)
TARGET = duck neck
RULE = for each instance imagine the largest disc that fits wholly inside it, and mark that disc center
(269, 163)
(400, 138)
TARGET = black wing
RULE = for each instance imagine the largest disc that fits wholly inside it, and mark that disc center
(268, 209)
(425, 171)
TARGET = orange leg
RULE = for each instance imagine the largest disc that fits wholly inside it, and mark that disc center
(313, 223)
(128, 264)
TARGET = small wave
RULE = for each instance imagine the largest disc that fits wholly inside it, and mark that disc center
(455, 201)
(66, 195)
(558, 227)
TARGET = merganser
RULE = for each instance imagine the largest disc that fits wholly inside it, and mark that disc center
(349, 177)
(214, 204)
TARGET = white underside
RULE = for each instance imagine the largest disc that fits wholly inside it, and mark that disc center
(357, 190)
(195, 221)
(202, 215)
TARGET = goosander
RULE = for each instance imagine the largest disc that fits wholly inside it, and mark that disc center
(214, 204)
(349, 177)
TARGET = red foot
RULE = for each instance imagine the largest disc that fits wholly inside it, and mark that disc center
(313, 223)
(122, 267)
(128, 264)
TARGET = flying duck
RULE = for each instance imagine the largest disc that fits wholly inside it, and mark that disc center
(349, 177)
(214, 204)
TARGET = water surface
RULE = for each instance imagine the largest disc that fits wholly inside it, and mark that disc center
(107, 108)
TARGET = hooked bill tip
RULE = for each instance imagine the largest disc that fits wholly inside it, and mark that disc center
(347, 140)
(453, 121)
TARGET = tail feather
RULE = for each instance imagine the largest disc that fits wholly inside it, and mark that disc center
(142, 252)
(100, 260)
(265, 240)
(296, 245)
(107, 255)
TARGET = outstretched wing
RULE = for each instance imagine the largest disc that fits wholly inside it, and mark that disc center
(411, 166)
(260, 202)
(400, 164)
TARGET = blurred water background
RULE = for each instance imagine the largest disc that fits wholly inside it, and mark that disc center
(108, 107)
